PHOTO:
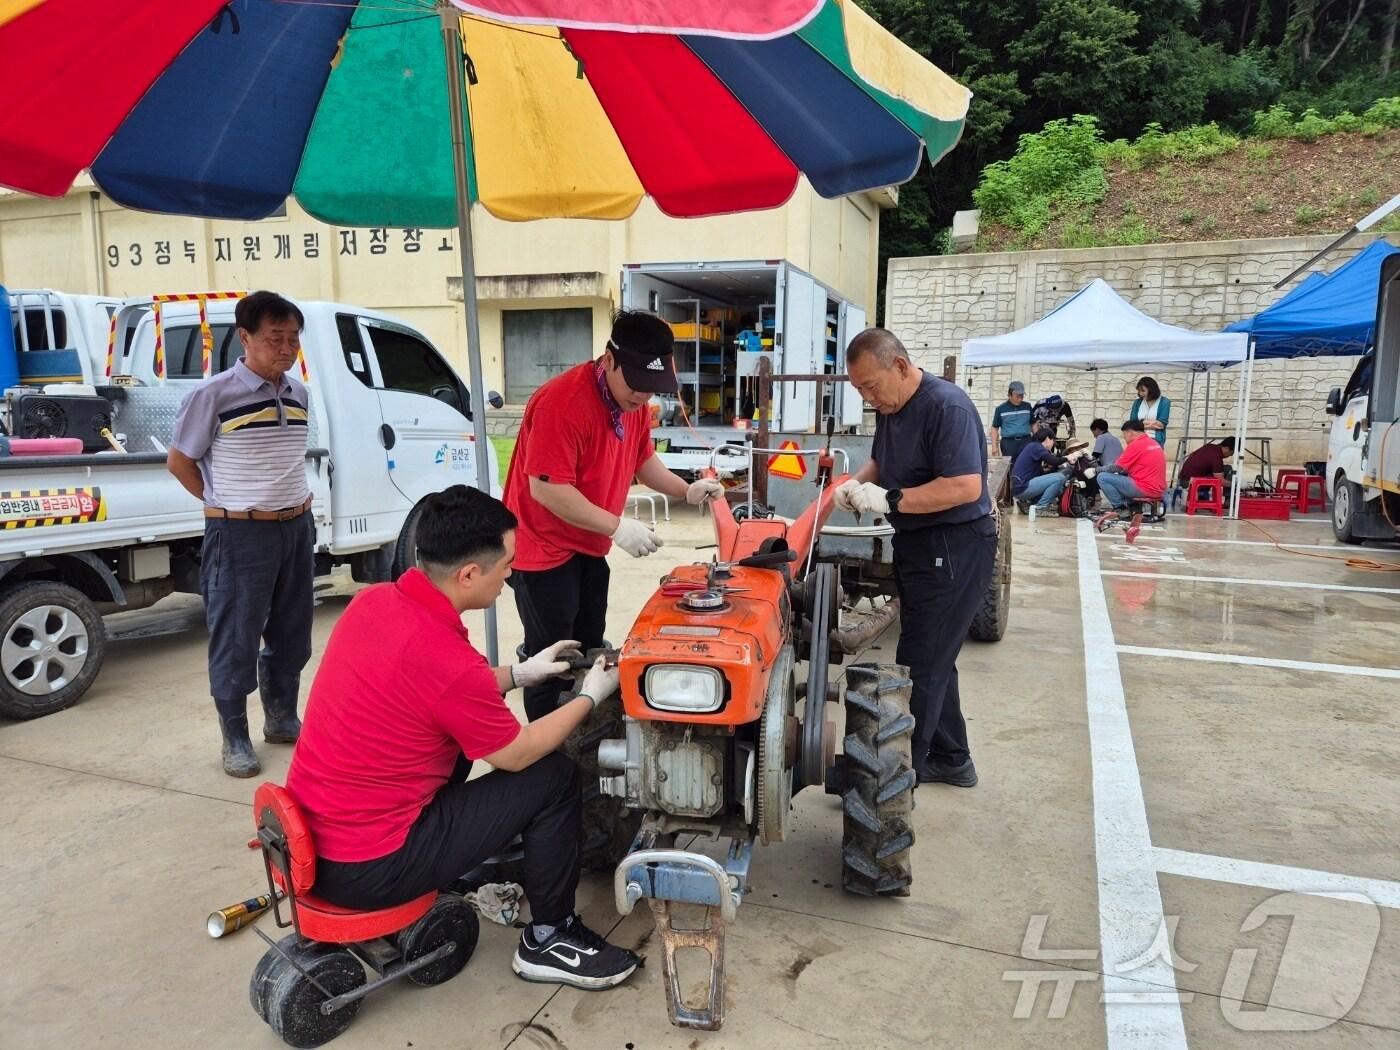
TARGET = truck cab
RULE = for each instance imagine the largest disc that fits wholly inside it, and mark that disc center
(59, 337)
(1348, 407)
(391, 411)
(1366, 505)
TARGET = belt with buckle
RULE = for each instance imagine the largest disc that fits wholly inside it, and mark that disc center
(285, 514)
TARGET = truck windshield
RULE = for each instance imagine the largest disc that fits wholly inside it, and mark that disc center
(1360, 381)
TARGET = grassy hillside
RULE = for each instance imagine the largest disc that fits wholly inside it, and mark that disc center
(1068, 188)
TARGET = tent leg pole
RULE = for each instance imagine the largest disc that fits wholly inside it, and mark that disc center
(1241, 427)
(1184, 444)
(452, 45)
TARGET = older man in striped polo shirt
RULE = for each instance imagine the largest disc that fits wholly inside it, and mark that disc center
(239, 446)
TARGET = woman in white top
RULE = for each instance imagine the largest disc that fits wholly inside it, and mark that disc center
(1152, 408)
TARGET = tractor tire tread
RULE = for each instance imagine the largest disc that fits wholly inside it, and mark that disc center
(877, 795)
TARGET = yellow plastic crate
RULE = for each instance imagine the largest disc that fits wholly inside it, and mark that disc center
(687, 330)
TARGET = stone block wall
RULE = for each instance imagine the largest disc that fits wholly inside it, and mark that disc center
(933, 303)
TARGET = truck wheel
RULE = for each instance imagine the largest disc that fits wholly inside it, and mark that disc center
(878, 795)
(608, 825)
(989, 625)
(52, 643)
(1346, 501)
(406, 549)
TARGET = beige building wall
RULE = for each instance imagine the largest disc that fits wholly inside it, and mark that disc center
(933, 303)
(83, 243)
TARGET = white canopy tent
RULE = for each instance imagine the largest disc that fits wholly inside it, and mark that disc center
(1096, 329)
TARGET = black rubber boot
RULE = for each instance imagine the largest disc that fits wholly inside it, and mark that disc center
(279, 699)
(239, 757)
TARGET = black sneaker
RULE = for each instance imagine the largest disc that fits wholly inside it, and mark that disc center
(573, 954)
(963, 776)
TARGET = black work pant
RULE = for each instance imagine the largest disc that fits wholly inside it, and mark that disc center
(466, 823)
(1011, 446)
(942, 573)
(567, 601)
(257, 579)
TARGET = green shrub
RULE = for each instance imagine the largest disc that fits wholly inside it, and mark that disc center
(1383, 113)
(1369, 197)
(1051, 169)
(1307, 215)
(1278, 121)
(1262, 206)
(1186, 218)
(1208, 224)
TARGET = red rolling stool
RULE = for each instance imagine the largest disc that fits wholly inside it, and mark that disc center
(308, 986)
(1206, 494)
(1301, 486)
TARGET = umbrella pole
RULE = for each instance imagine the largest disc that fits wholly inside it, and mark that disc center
(452, 44)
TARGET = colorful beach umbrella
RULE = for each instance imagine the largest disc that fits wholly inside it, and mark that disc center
(407, 112)
(224, 110)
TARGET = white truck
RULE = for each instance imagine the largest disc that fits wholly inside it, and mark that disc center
(1348, 406)
(82, 536)
(725, 317)
(1363, 456)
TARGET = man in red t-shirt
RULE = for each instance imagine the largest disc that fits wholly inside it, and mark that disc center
(1141, 470)
(585, 435)
(403, 704)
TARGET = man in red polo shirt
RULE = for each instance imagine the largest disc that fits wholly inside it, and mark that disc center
(403, 704)
(1139, 473)
(585, 435)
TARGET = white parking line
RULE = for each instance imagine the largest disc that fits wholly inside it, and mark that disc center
(1253, 583)
(1130, 903)
(1260, 661)
(1335, 548)
(1274, 876)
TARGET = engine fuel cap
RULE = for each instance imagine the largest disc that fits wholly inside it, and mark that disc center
(703, 600)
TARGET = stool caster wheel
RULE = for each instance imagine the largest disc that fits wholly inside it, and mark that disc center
(291, 1004)
(449, 919)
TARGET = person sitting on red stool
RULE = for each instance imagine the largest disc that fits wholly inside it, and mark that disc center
(401, 707)
(1208, 461)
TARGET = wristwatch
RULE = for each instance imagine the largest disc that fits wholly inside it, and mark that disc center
(892, 497)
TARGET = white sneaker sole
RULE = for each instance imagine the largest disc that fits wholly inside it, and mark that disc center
(544, 974)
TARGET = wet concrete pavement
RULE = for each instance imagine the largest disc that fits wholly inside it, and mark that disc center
(1133, 793)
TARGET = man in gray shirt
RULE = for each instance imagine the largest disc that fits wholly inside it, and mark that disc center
(239, 447)
(1107, 448)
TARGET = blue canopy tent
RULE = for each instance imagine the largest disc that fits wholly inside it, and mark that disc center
(1332, 315)
(1328, 315)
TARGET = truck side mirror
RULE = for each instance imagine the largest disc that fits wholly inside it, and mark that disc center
(494, 399)
(1334, 402)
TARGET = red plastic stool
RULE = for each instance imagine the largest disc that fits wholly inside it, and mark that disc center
(1301, 486)
(308, 986)
(1197, 500)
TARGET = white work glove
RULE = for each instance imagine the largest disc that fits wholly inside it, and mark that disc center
(702, 490)
(543, 666)
(844, 495)
(870, 498)
(600, 682)
(635, 538)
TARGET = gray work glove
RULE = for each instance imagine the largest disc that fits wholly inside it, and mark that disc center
(544, 665)
(600, 682)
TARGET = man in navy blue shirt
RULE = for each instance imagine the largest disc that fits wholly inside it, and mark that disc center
(928, 475)
(1029, 480)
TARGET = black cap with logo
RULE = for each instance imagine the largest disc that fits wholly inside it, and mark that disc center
(641, 345)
